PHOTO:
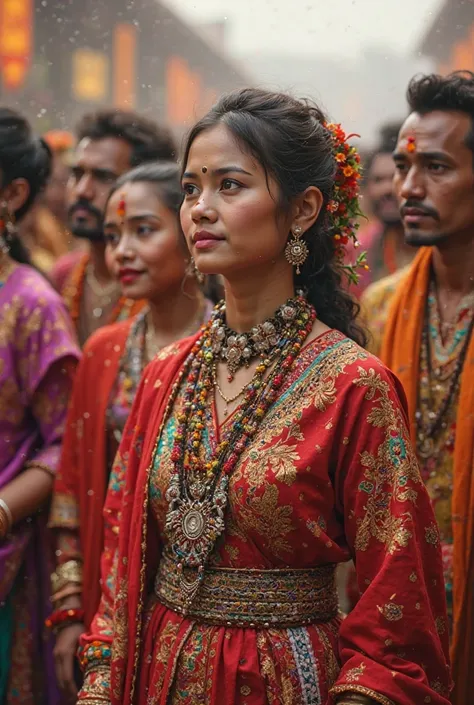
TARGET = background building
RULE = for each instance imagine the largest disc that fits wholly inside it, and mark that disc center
(449, 41)
(61, 58)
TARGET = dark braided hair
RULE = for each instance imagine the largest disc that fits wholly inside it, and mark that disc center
(288, 138)
(21, 157)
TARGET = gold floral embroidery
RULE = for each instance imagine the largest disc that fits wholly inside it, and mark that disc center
(440, 623)
(393, 466)
(316, 527)
(432, 534)
(353, 674)
(325, 393)
(368, 692)
(167, 352)
(391, 611)
(269, 519)
(279, 458)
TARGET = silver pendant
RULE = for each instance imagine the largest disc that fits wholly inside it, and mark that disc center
(193, 527)
(97, 312)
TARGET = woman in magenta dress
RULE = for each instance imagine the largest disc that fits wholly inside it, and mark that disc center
(263, 452)
(38, 356)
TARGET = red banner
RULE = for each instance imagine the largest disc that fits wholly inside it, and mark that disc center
(16, 41)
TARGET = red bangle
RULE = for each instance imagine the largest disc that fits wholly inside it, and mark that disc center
(64, 617)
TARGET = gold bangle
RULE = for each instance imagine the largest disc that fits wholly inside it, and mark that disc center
(8, 514)
(69, 572)
(41, 466)
(3, 524)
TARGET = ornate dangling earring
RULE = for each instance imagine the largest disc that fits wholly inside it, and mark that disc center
(193, 271)
(296, 250)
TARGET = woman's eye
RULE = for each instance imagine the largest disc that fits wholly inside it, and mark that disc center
(189, 189)
(144, 230)
(230, 185)
(111, 239)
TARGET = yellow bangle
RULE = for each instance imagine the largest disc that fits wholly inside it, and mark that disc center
(69, 572)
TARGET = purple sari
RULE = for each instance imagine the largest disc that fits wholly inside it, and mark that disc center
(38, 354)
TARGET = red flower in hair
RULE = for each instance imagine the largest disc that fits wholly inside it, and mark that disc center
(343, 209)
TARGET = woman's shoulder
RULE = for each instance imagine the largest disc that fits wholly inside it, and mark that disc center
(33, 298)
(335, 355)
(109, 338)
(33, 287)
(169, 359)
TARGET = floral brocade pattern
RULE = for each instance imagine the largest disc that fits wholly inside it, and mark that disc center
(437, 464)
(329, 475)
(37, 360)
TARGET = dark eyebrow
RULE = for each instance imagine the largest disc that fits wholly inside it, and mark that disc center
(218, 172)
(132, 219)
(440, 156)
(142, 216)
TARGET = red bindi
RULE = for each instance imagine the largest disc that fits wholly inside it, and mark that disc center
(122, 209)
(411, 144)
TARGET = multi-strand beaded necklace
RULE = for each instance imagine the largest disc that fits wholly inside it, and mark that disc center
(198, 488)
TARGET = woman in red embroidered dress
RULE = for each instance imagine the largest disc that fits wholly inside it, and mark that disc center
(265, 451)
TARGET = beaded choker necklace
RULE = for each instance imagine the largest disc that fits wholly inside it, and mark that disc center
(238, 349)
(198, 488)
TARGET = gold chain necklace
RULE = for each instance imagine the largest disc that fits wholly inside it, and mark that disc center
(104, 294)
(227, 400)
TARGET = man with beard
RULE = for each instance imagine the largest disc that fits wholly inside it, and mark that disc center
(110, 142)
(382, 238)
(425, 329)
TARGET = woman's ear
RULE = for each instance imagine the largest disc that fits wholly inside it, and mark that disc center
(307, 208)
(16, 194)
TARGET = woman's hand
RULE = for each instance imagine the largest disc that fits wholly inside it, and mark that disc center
(65, 651)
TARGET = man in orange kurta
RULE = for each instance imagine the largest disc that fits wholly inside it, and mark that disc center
(422, 323)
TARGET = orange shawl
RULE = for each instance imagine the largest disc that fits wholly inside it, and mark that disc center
(401, 352)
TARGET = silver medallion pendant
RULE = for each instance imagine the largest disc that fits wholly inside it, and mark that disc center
(193, 527)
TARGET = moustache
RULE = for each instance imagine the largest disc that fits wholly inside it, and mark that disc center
(425, 210)
(83, 205)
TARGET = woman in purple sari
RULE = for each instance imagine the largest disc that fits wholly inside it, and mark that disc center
(38, 356)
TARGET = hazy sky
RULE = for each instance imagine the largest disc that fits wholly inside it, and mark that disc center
(337, 27)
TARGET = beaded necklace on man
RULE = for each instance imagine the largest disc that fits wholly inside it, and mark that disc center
(198, 488)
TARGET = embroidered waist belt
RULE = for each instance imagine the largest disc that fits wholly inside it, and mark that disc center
(252, 598)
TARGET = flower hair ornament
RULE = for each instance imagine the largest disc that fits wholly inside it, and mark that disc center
(343, 209)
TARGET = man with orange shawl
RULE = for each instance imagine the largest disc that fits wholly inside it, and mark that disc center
(422, 321)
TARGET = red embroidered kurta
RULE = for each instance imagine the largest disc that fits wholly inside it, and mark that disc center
(329, 475)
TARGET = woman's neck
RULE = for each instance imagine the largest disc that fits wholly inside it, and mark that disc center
(254, 299)
(176, 314)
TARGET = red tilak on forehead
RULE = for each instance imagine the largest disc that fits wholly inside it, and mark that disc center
(122, 208)
(411, 143)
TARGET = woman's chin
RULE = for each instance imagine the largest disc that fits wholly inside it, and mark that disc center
(135, 293)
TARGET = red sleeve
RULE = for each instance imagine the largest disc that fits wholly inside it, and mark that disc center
(394, 644)
(96, 645)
